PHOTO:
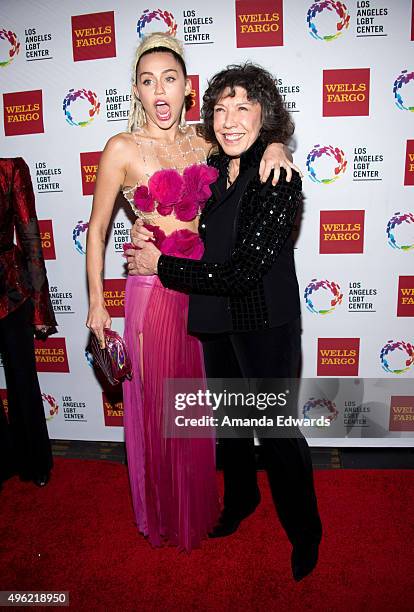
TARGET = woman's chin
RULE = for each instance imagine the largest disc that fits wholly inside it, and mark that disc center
(165, 123)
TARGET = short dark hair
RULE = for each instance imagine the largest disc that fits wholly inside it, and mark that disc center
(260, 87)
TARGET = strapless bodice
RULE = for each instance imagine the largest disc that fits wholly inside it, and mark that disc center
(170, 193)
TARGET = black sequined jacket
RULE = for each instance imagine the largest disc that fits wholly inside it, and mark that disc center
(258, 280)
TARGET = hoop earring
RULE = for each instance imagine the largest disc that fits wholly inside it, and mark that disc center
(140, 115)
(183, 124)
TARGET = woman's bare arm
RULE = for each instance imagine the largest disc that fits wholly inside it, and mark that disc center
(111, 174)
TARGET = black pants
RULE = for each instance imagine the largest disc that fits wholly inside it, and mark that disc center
(270, 353)
(24, 442)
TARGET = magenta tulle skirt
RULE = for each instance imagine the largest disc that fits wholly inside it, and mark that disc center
(173, 481)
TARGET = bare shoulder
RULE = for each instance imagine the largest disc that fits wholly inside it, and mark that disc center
(197, 139)
(120, 143)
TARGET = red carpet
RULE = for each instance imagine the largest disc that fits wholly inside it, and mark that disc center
(78, 535)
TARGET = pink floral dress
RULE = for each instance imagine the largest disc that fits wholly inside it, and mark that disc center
(173, 480)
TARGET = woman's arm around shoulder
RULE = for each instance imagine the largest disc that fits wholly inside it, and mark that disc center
(270, 222)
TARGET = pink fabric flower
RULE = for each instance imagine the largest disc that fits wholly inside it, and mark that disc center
(159, 235)
(166, 186)
(187, 208)
(198, 179)
(143, 200)
(183, 243)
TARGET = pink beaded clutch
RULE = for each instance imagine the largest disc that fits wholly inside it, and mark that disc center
(113, 360)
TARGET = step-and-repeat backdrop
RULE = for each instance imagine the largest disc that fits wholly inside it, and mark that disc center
(346, 73)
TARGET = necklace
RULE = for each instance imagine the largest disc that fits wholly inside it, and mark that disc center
(177, 155)
(229, 179)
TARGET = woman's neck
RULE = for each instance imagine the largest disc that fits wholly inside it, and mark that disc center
(233, 169)
(168, 136)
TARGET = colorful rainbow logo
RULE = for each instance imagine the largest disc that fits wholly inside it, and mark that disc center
(404, 78)
(330, 5)
(332, 287)
(11, 37)
(53, 407)
(159, 15)
(330, 151)
(389, 348)
(396, 220)
(82, 94)
(329, 409)
(79, 229)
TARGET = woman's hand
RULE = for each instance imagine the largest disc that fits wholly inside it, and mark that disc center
(275, 157)
(143, 261)
(140, 234)
(98, 319)
(43, 330)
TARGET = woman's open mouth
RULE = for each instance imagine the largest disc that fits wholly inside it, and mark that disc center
(162, 110)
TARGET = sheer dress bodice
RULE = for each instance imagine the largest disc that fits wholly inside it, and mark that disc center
(172, 191)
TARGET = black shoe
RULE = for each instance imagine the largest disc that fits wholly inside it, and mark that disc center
(304, 559)
(42, 480)
(229, 522)
(226, 525)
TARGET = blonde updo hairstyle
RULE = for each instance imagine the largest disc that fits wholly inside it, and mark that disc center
(158, 42)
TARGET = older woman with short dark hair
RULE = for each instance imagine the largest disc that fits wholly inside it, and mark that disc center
(244, 297)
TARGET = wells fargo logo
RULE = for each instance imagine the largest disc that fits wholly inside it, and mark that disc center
(89, 167)
(114, 295)
(405, 306)
(193, 105)
(47, 238)
(5, 402)
(346, 92)
(23, 112)
(13, 49)
(409, 163)
(338, 357)
(51, 355)
(341, 231)
(402, 413)
(259, 23)
(93, 36)
(113, 408)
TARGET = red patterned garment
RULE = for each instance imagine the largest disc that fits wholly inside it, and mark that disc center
(22, 267)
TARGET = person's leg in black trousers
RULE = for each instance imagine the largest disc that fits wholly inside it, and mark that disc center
(241, 493)
(275, 353)
(27, 431)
